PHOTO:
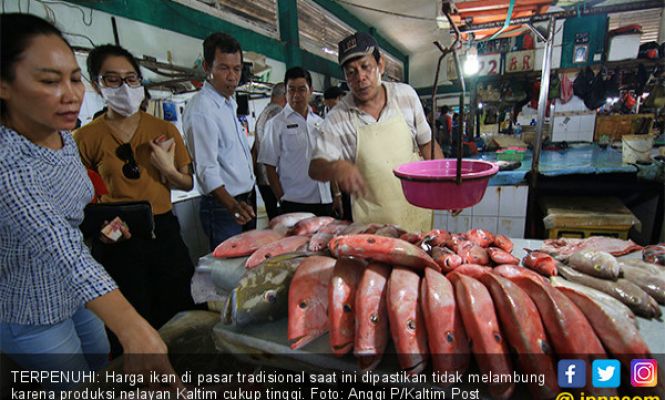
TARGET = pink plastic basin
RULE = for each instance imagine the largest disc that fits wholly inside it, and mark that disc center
(431, 184)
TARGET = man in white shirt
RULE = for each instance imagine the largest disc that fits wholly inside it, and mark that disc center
(277, 103)
(217, 142)
(287, 148)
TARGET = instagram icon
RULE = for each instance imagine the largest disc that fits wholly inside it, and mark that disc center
(643, 373)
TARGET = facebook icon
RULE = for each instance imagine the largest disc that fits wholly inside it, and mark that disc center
(571, 373)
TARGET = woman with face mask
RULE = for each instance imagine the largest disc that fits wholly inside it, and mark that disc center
(54, 297)
(139, 157)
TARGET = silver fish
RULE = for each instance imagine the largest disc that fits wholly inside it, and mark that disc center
(623, 290)
(650, 283)
(596, 263)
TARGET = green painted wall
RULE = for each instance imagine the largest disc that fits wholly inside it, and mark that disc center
(176, 17)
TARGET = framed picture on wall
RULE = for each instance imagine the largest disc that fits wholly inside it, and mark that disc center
(580, 53)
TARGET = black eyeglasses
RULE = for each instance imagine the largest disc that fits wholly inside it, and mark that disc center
(130, 169)
(115, 81)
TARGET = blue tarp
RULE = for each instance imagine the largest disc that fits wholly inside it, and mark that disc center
(577, 159)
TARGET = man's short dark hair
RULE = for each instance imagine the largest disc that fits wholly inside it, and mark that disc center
(222, 41)
(333, 92)
(298, 72)
(445, 110)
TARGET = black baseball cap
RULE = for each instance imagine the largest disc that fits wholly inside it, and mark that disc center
(357, 45)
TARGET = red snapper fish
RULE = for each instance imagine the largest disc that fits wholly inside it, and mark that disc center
(446, 259)
(541, 262)
(282, 246)
(448, 343)
(310, 226)
(382, 249)
(510, 271)
(342, 304)
(285, 222)
(566, 325)
(321, 238)
(481, 237)
(524, 330)
(308, 300)
(246, 243)
(482, 326)
(500, 256)
(472, 270)
(612, 321)
(371, 336)
(502, 242)
(407, 327)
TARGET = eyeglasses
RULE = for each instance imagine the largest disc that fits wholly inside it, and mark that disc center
(115, 80)
(130, 169)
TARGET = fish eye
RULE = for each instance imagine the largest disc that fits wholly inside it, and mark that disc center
(411, 325)
(497, 337)
(347, 308)
(374, 318)
(450, 337)
(270, 296)
(303, 304)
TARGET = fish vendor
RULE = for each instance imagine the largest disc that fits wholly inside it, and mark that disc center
(376, 127)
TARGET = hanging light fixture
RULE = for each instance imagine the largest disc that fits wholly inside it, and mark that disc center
(471, 64)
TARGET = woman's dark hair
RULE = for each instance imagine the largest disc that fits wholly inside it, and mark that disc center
(99, 54)
(222, 41)
(16, 32)
(298, 72)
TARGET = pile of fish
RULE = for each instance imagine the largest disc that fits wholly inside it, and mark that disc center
(442, 298)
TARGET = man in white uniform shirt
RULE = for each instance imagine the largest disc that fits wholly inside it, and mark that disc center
(375, 128)
(287, 148)
(277, 103)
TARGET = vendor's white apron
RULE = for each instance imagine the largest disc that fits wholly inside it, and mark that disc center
(380, 148)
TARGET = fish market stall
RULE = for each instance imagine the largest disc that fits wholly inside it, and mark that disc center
(266, 342)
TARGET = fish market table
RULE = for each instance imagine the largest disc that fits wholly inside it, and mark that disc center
(266, 344)
(589, 170)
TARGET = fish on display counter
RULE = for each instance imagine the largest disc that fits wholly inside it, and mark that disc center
(246, 243)
(482, 328)
(262, 293)
(407, 327)
(525, 332)
(654, 254)
(653, 284)
(342, 304)
(447, 340)
(285, 245)
(382, 249)
(540, 262)
(595, 263)
(623, 290)
(285, 222)
(308, 300)
(372, 332)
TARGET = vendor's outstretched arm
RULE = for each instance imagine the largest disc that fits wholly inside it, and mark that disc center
(346, 174)
(426, 151)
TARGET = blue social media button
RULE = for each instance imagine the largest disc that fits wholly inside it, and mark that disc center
(571, 373)
(606, 373)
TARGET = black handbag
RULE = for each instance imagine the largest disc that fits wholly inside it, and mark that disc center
(136, 214)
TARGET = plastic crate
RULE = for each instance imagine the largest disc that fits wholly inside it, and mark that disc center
(581, 217)
(581, 232)
(510, 155)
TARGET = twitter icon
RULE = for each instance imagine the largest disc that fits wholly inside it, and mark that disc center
(606, 373)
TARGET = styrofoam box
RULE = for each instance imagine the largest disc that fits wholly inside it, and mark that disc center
(624, 47)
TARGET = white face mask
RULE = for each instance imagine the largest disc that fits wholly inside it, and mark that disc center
(124, 100)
